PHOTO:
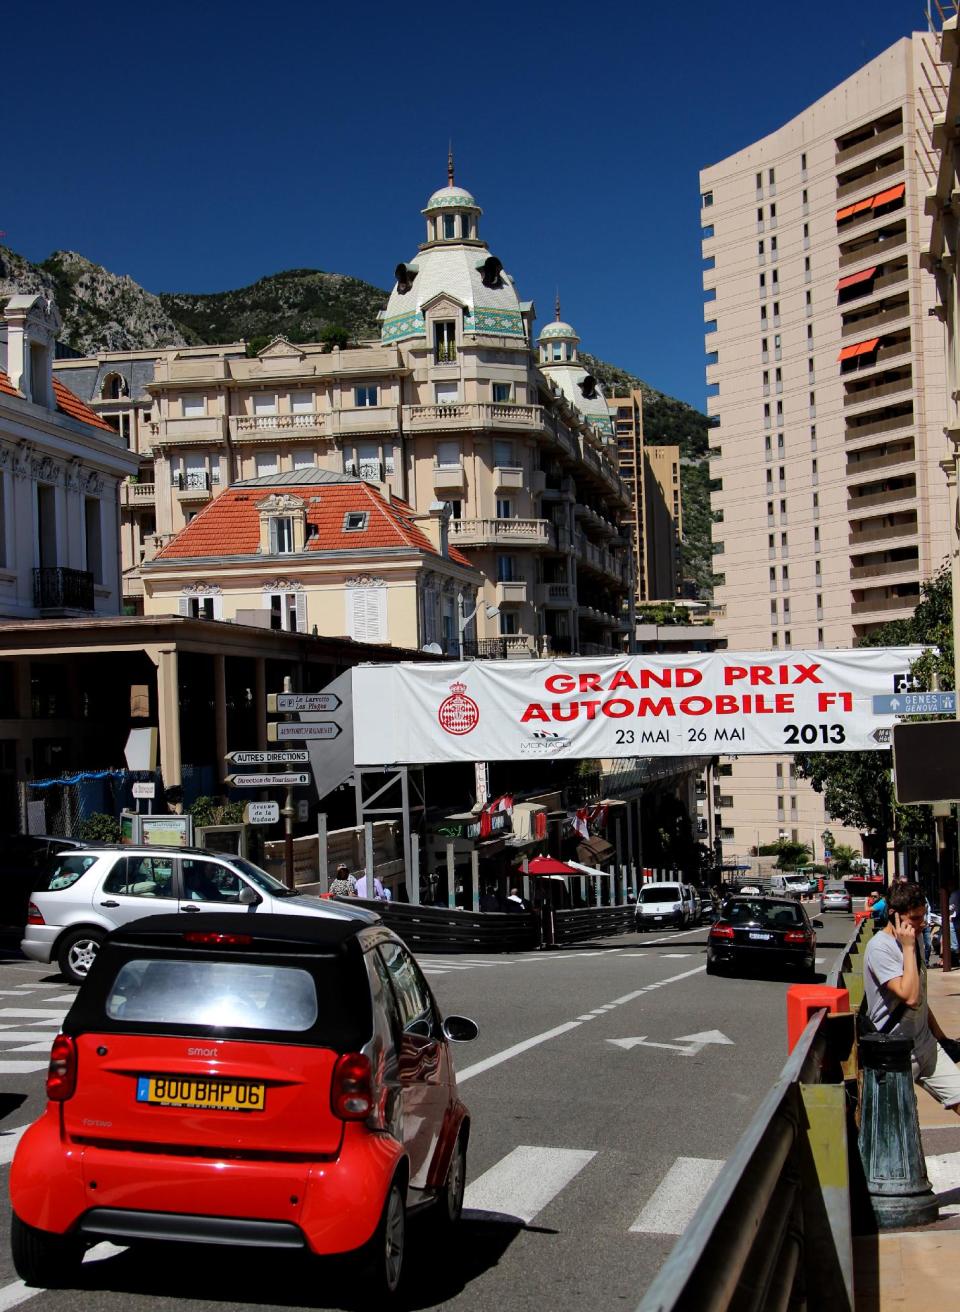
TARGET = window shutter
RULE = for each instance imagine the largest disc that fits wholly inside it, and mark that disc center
(218, 608)
(183, 605)
(367, 614)
(301, 603)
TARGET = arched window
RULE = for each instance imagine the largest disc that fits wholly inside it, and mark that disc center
(113, 387)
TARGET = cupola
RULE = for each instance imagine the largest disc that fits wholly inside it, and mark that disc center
(452, 213)
(558, 342)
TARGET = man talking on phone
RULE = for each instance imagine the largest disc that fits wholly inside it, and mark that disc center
(895, 982)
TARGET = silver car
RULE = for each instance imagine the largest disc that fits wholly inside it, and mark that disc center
(85, 893)
(835, 898)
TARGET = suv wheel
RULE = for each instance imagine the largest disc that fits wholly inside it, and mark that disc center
(382, 1258)
(42, 1258)
(76, 953)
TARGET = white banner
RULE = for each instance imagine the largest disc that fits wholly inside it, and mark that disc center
(689, 704)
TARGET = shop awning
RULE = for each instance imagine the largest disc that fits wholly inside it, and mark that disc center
(892, 193)
(596, 851)
(591, 870)
(852, 279)
(859, 348)
(871, 202)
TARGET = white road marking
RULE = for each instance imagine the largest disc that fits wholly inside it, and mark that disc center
(22, 1068)
(943, 1172)
(9, 1140)
(517, 1048)
(28, 1036)
(678, 1195)
(674, 956)
(17, 1292)
(525, 1181)
(34, 1013)
(588, 1016)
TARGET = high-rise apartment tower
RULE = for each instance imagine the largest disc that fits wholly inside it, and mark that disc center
(825, 389)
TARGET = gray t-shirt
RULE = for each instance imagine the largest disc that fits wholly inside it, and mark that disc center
(883, 961)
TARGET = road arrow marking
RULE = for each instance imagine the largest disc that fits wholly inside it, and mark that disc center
(687, 1045)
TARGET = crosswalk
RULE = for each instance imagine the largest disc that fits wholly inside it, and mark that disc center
(30, 1018)
(444, 965)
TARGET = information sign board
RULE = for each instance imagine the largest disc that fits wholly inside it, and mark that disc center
(278, 702)
(295, 779)
(144, 788)
(292, 730)
(282, 756)
(261, 813)
(916, 703)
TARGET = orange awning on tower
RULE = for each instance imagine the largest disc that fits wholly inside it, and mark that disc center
(859, 348)
(852, 279)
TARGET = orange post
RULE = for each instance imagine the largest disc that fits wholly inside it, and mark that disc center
(804, 999)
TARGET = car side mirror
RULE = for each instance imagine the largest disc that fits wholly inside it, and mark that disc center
(459, 1029)
(817, 924)
(249, 897)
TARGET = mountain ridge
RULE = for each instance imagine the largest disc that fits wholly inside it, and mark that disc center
(104, 311)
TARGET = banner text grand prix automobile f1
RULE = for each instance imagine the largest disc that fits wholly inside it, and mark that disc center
(721, 703)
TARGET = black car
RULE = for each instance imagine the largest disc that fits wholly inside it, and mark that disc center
(23, 860)
(763, 931)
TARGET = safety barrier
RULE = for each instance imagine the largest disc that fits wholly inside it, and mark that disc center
(775, 1228)
(446, 929)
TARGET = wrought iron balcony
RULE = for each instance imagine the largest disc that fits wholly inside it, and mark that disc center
(55, 588)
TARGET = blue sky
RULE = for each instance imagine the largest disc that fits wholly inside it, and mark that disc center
(198, 147)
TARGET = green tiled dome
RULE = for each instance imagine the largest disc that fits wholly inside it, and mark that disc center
(451, 198)
(557, 329)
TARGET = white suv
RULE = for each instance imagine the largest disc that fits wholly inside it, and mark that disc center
(87, 892)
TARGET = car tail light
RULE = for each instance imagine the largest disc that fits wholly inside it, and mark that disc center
(62, 1074)
(35, 915)
(721, 931)
(351, 1092)
(213, 939)
(797, 936)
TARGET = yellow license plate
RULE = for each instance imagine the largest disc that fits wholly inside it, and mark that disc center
(217, 1095)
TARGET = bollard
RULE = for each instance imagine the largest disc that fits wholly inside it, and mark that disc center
(889, 1141)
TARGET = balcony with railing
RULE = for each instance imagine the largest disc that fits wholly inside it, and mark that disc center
(192, 485)
(56, 588)
(884, 604)
(554, 594)
(511, 592)
(138, 495)
(500, 532)
(449, 478)
(511, 645)
(203, 430)
(448, 415)
(256, 428)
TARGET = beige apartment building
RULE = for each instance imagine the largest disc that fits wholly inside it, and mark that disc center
(825, 388)
(652, 473)
(452, 405)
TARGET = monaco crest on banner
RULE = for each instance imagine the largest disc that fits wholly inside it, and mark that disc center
(458, 713)
(629, 705)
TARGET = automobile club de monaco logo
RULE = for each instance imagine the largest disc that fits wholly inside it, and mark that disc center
(458, 713)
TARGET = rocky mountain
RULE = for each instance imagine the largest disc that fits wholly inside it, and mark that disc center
(103, 311)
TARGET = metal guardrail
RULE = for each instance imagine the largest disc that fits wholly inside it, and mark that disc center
(774, 1230)
(585, 923)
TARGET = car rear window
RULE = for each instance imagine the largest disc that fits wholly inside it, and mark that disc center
(223, 994)
(62, 871)
(778, 915)
(835, 888)
(666, 893)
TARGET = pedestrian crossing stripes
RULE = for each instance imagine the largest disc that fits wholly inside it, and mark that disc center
(26, 1032)
(677, 1197)
(525, 1181)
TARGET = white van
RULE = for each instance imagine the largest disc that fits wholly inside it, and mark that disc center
(789, 884)
(665, 904)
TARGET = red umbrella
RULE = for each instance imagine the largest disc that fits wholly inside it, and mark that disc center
(548, 865)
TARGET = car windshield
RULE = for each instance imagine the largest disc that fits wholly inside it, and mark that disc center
(834, 888)
(666, 893)
(229, 994)
(265, 882)
(776, 915)
(62, 871)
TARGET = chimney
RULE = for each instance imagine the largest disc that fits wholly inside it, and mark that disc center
(32, 324)
(436, 526)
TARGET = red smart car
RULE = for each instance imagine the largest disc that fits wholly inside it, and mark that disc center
(287, 1085)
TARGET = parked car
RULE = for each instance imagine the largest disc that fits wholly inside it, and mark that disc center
(23, 859)
(835, 897)
(665, 903)
(87, 892)
(276, 1081)
(763, 931)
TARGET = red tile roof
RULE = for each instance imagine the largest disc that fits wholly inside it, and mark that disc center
(230, 524)
(67, 403)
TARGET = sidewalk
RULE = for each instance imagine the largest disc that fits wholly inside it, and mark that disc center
(901, 1267)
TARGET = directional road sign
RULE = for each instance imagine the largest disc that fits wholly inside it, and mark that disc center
(302, 701)
(295, 779)
(283, 756)
(288, 730)
(916, 703)
(144, 788)
(261, 813)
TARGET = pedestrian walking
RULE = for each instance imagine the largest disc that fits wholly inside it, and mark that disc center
(344, 885)
(514, 901)
(895, 983)
(364, 883)
(954, 907)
